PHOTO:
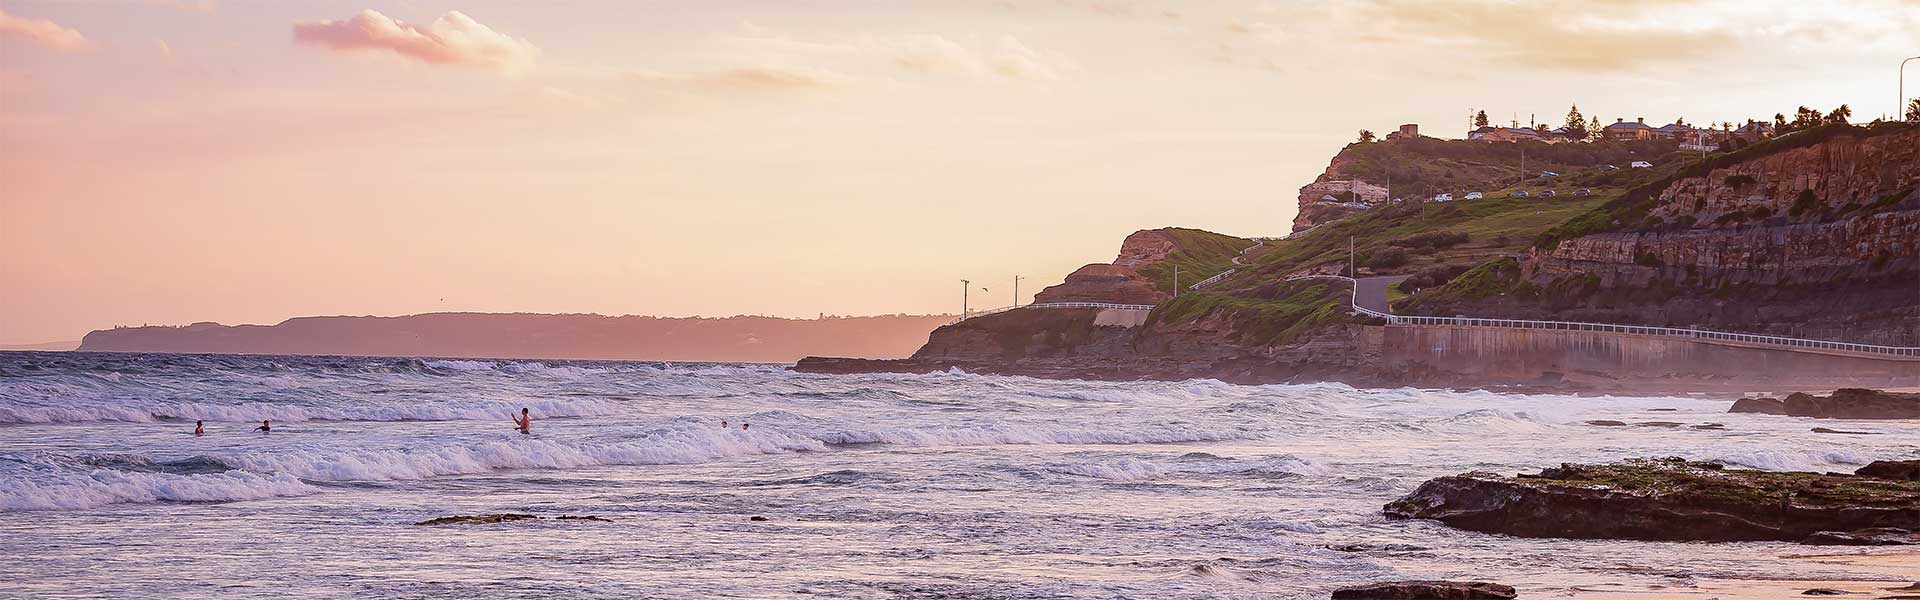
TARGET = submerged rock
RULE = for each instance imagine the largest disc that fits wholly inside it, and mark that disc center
(1422, 590)
(1843, 403)
(1879, 536)
(504, 517)
(478, 519)
(1664, 499)
(1842, 431)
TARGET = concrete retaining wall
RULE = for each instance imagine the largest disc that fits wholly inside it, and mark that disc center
(1120, 317)
(1520, 356)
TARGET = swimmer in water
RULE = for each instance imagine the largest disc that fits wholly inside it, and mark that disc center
(723, 423)
(744, 426)
(199, 427)
(265, 427)
(524, 422)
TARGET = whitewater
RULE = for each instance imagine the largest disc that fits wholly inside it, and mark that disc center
(936, 485)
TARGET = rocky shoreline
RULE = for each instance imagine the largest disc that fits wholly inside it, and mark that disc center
(1673, 499)
(1844, 403)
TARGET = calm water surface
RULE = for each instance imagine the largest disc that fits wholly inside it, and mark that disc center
(944, 485)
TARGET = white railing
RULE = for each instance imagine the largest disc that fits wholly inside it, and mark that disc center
(1679, 332)
(1108, 305)
(1214, 279)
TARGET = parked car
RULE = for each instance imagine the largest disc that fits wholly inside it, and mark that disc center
(1609, 168)
(1546, 193)
(1640, 164)
(1549, 174)
(1443, 198)
(1518, 194)
(1475, 195)
(1583, 192)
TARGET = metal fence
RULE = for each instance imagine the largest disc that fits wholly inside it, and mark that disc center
(1674, 332)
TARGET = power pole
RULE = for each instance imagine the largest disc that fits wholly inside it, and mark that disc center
(964, 284)
(1350, 269)
(1016, 290)
(1176, 281)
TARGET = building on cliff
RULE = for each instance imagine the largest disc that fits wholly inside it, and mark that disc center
(1623, 130)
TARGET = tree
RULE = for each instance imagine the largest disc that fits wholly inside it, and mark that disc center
(1576, 124)
(1840, 115)
(1913, 110)
(1779, 123)
(1480, 120)
(1366, 136)
(1805, 118)
(1594, 132)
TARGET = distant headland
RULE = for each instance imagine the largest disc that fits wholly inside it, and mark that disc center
(525, 335)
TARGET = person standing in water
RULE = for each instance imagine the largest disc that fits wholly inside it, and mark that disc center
(266, 426)
(199, 427)
(524, 422)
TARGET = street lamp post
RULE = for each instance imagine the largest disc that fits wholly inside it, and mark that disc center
(1016, 290)
(964, 284)
(1900, 108)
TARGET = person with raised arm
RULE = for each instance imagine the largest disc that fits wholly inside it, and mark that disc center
(524, 422)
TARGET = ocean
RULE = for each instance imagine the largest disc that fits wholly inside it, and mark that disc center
(937, 485)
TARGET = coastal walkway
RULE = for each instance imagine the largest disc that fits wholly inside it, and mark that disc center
(1369, 298)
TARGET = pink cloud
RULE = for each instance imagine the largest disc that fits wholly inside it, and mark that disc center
(452, 39)
(42, 32)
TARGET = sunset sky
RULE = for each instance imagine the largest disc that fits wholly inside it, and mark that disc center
(172, 161)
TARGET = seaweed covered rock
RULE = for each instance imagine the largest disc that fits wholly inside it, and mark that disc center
(1663, 499)
(1426, 590)
(1905, 470)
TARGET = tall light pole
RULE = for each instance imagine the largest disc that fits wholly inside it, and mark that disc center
(964, 284)
(1016, 290)
(1900, 108)
(1176, 281)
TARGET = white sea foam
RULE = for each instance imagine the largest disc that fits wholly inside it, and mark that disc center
(683, 444)
(1794, 460)
(99, 487)
(476, 410)
(1024, 435)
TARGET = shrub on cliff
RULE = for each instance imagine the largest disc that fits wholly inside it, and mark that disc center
(1255, 320)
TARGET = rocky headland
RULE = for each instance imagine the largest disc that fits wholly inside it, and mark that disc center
(1810, 236)
(523, 335)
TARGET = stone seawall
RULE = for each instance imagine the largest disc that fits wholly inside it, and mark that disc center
(1449, 355)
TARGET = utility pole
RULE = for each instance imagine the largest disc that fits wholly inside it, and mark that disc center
(964, 284)
(1176, 281)
(1016, 290)
(1350, 269)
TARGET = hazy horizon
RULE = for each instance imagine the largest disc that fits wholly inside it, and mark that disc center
(183, 161)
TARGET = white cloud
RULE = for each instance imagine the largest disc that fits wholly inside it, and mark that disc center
(452, 39)
(42, 32)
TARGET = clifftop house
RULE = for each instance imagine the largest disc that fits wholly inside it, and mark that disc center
(1623, 130)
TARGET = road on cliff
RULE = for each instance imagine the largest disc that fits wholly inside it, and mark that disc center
(1371, 292)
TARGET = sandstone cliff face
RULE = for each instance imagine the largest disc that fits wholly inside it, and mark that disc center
(1823, 178)
(1820, 242)
(1868, 247)
(1103, 283)
(1328, 199)
(1145, 247)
